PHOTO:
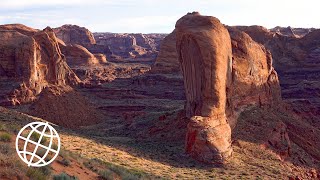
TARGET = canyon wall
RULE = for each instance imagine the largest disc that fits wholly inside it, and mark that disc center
(30, 61)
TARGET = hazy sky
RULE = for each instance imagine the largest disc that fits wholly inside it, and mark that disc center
(149, 16)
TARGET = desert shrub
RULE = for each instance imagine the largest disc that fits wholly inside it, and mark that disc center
(54, 146)
(106, 174)
(46, 170)
(64, 176)
(124, 173)
(5, 149)
(36, 173)
(41, 152)
(64, 162)
(36, 136)
(2, 127)
(13, 128)
(5, 137)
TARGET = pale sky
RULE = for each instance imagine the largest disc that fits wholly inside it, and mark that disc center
(156, 16)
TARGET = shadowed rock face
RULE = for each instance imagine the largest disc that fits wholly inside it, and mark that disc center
(254, 80)
(128, 46)
(78, 55)
(205, 53)
(31, 63)
(167, 59)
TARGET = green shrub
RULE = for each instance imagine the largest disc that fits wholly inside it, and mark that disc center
(54, 146)
(64, 176)
(106, 174)
(65, 162)
(13, 128)
(35, 173)
(5, 149)
(5, 137)
(41, 152)
(2, 127)
(36, 136)
(46, 170)
(124, 173)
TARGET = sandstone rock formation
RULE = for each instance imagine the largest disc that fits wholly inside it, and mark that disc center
(297, 63)
(205, 54)
(19, 28)
(73, 34)
(78, 55)
(167, 59)
(254, 80)
(124, 45)
(252, 73)
(293, 32)
(252, 68)
(30, 63)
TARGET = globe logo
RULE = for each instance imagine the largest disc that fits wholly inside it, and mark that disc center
(38, 144)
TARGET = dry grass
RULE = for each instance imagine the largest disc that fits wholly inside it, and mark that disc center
(126, 158)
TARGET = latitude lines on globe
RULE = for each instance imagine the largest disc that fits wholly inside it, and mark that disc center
(41, 160)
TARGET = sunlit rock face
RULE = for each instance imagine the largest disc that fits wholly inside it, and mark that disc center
(30, 61)
(205, 53)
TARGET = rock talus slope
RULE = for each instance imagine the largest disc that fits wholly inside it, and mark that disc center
(205, 53)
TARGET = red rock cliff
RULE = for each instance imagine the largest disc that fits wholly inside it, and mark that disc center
(205, 53)
(31, 62)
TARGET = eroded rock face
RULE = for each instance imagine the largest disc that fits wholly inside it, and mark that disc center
(78, 55)
(252, 67)
(19, 28)
(205, 53)
(72, 34)
(297, 63)
(293, 32)
(254, 80)
(31, 63)
(167, 59)
(128, 46)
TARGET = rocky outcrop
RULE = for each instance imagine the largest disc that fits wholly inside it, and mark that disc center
(254, 80)
(205, 53)
(78, 55)
(31, 63)
(293, 32)
(128, 46)
(19, 28)
(252, 73)
(297, 63)
(167, 59)
(73, 34)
